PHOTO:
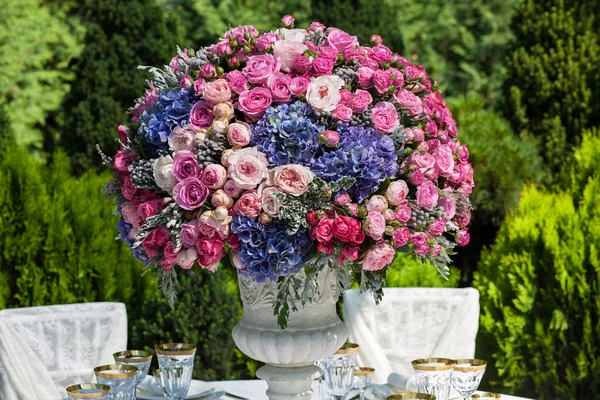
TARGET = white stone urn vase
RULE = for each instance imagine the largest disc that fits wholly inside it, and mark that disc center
(313, 332)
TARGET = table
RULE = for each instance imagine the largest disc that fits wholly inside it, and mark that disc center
(255, 390)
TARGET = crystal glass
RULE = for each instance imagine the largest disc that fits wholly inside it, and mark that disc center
(486, 396)
(88, 391)
(120, 378)
(467, 376)
(322, 390)
(176, 361)
(411, 395)
(434, 376)
(339, 372)
(362, 379)
(138, 358)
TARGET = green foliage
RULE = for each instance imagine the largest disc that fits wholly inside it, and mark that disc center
(541, 312)
(205, 312)
(461, 43)
(56, 237)
(551, 88)
(408, 271)
(120, 37)
(35, 50)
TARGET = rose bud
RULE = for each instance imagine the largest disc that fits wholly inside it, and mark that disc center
(288, 21)
(221, 213)
(329, 138)
(221, 199)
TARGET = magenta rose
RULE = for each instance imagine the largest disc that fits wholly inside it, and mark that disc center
(238, 134)
(422, 162)
(169, 257)
(185, 165)
(253, 103)
(249, 204)
(463, 237)
(449, 206)
(385, 117)
(403, 214)
(340, 40)
(361, 101)
(155, 241)
(122, 161)
(287, 52)
(378, 257)
(396, 76)
(323, 231)
(280, 87)
(201, 115)
(149, 208)
(420, 243)
(342, 113)
(444, 160)
(214, 176)
(217, 91)
(342, 199)
(328, 52)
(374, 225)
(400, 236)
(346, 97)
(288, 21)
(463, 153)
(351, 53)
(365, 77)
(190, 193)
(409, 101)
(189, 233)
(431, 128)
(417, 178)
(437, 227)
(396, 192)
(208, 71)
(298, 85)
(210, 252)
(301, 64)
(381, 81)
(199, 86)
(381, 54)
(259, 68)
(427, 195)
(266, 41)
(322, 66)
(237, 82)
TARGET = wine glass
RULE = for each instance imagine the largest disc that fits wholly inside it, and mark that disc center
(339, 372)
(120, 378)
(434, 376)
(362, 379)
(322, 392)
(138, 358)
(467, 376)
(176, 361)
(88, 391)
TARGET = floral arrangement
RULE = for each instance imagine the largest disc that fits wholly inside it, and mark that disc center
(289, 150)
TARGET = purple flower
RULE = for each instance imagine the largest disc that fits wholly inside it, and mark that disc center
(190, 193)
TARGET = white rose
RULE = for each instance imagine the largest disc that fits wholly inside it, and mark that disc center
(292, 35)
(219, 125)
(293, 179)
(323, 93)
(163, 173)
(270, 201)
(287, 51)
(187, 257)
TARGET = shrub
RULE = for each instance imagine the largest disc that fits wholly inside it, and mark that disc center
(407, 271)
(541, 312)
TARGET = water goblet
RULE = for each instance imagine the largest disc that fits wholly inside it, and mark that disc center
(88, 391)
(467, 376)
(176, 361)
(120, 378)
(138, 358)
(411, 395)
(339, 372)
(322, 392)
(362, 379)
(434, 376)
(486, 396)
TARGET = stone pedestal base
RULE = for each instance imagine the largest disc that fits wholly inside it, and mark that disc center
(289, 383)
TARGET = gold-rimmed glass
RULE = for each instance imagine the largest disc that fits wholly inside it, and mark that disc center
(339, 372)
(411, 395)
(88, 391)
(467, 375)
(362, 379)
(434, 375)
(486, 396)
(140, 359)
(120, 378)
(176, 361)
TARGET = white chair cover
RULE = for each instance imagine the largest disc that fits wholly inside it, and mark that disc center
(45, 349)
(411, 323)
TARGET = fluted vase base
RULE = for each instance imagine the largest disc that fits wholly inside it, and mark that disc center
(289, 383)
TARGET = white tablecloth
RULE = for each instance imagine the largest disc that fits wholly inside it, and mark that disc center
(255, 390)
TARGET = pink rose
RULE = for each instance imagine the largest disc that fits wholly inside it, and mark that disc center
(323, 232)
(328, 52)
(185, 165)
(238, 134)
(361, 101)
(280, 87)
(190, 193)
(381, 81)
(364, 77)
(463, 153)
(385, 117)
(210, 251)
(375, 40)
(209, 226)
(122, 129)
(293, 179)
(265, 41)
(149, 208)
(231, 189)
(131, 215)
(417, 178)
(189, 233)
(340, 39)
(322, 66)
(346, 97)
(409, 101)
(155, 241)
(400, 236)
(249, 204)
(449, 206)
(420, 243)
(122, 161)
(342, 199)
(312, 218)
(463, 237)
(187, 257)
(236, 260)
(259, 68)
(381, 54)
(298, 85)
(396, 192)
(288, 21)
(186, 82)
(378, 257)
(374, 225)
(269, 199)
(403, 214)
(422, 162)
(444, 160)
(199, 86)
(214, 176)
(351, 53)
(377, 203)
(208, 71)
(201, 115)
(222, 48)
(225, 157)
(434, 144)
(169, 257)
(325, 248)
(236, 80)
(396, 76)
(352, 209)
(288, 51)
(389, 215)
(220, 198)
(217, 91)
(437, 227)
(349, 252)
(463, 219)
(342, 113)
(427, 195)
(182, 138)
(253, 103)
(248, 168)
(431, 128)
(301, 64)
(348, 230)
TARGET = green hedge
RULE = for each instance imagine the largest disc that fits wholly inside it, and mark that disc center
(407, 271)
(540, 315)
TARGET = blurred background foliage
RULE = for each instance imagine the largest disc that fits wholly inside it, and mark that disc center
(520, 77)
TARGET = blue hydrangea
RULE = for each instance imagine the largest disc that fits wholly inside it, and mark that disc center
(268, 251)
(124, 229)
(287, 134)
(364, 154)
(171, 109)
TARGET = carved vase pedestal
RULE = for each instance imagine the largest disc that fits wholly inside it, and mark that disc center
(313, 333)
